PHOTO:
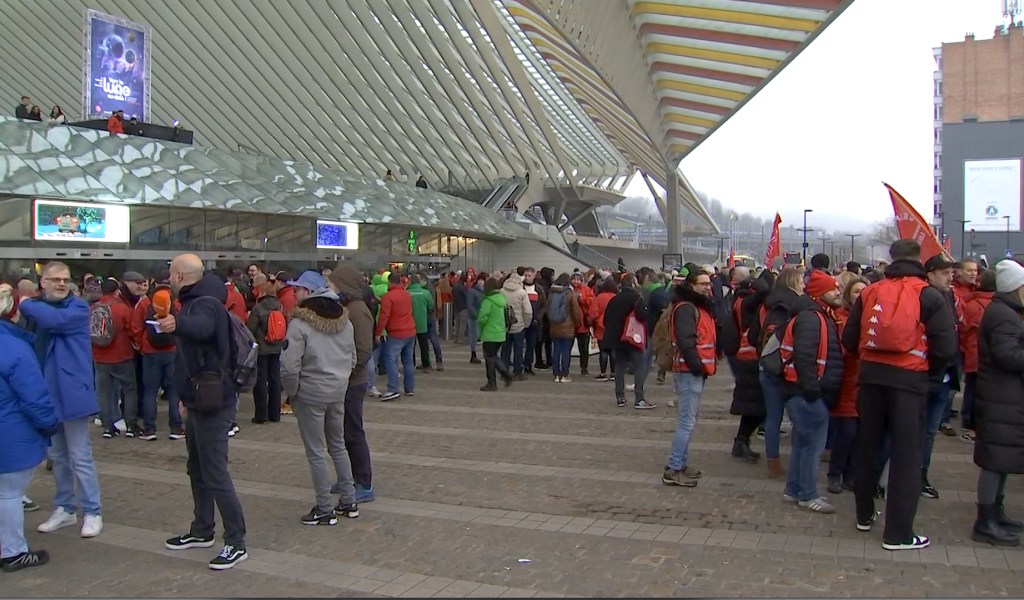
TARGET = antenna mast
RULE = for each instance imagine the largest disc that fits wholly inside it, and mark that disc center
(1011, 10)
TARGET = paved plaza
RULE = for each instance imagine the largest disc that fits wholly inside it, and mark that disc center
(541, 490)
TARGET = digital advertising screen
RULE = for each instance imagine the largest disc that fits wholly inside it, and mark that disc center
(992, 193)
(116, 74)
(56, 220)
(335, 235)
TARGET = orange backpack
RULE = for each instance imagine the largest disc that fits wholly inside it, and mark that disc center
(277, 326)
(891, 331)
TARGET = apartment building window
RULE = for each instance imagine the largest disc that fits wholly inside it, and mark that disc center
(938, 136)
(938, 161)
(938, 185)
(938, 89)
(938, 112)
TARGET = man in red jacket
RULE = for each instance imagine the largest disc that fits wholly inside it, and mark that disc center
(113, 354)
(285, 293)
(157, 350)
(236, 301)
(396, 319)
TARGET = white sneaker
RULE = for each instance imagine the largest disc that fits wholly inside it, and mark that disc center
(671, 403)
(374, 392)
(59, 518)
(97, 422)
(558, 379)
(92, 525)
(566, 379)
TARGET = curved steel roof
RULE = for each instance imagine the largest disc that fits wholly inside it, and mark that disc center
(578, 92)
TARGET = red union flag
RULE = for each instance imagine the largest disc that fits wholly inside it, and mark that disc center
(911, 225)
(773, 243)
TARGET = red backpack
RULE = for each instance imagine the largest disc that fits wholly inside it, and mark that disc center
(891, 331)
(277, 326)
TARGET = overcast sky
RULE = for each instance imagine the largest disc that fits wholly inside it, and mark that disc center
(853, 110)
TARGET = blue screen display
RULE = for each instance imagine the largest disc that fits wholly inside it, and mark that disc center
(331, 235)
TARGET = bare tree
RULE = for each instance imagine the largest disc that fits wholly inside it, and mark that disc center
(884, 232)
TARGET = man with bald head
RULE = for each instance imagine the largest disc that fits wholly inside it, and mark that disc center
(203, 378)
(27, 288)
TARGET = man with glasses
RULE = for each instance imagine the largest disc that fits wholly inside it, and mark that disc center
(60, 322)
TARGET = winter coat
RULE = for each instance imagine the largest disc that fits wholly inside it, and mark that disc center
(459, 300)
(258, 323)
(347, 281)
(657, 298)
(139, 326)
(538, 299)
(319, 352)
(422, 305)
(396, 314)
(999, 397)
(566, 330)
(235, 302)
(973, 312)
(596, 315)
(64, 351)
(490, 320)
(747, 397)
(519, 300)
(585, 297)
(615, 315)
(474, 295)
(939, 325)
(203, 334)
(806, 337)
(286, 296)
(684, 323)
(846, 402)
(27, 415)
(121, 348)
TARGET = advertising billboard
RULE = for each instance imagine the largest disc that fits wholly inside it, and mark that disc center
(992, 193)
(57, 220)
(116, 67)
(335, 235)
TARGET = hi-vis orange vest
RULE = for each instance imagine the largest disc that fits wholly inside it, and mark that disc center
(786, 350)
(746, 351)
(705, 341)
(891, 331)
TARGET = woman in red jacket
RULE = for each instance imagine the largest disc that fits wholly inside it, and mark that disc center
(974, 309)
(586, 298)
(844, 413)
(606, 292)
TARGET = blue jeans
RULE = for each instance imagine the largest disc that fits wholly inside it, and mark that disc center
(371, 364)
(512, 351)
(688, 391)
(773, 405)
(474, 335)
(810, 428)
(561, 350)
(935, 412)
(435, 342)
(158, 372)
(12, 515)
(531, 344)
(392, 349)
(71, 452)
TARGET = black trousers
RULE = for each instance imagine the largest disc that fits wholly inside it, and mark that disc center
(206, 438)
(902, 413)
(266, 394)
(583, 345)
(493, 362)
(606, 357)
(355, 437)
(748, 425)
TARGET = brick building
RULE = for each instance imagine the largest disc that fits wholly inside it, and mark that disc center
(978, 114)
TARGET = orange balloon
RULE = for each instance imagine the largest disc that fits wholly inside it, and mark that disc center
(162, 303)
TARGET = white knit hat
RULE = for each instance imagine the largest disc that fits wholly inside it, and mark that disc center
(1009, 276)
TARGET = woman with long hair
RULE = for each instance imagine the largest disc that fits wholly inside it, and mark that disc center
(605, 292)
(57, 117)
(844, 413)
(35, 114)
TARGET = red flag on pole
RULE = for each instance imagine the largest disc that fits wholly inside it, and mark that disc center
(947, 245)
(773, 243)
(732, 257)
(911, 225)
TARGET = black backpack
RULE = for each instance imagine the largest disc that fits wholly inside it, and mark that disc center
(156, 338)
(510, 317)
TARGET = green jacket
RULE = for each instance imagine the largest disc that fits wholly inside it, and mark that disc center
(422, 304)
(490, 320)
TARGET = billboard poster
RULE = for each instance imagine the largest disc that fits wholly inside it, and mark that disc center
(116, 68)
(57, 220)
(992, 193)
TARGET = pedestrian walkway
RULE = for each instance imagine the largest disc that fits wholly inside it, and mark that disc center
(535, 490)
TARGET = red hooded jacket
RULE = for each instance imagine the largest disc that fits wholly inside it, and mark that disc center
(286, 296)
(122, 348)
(846, 403)
(236, 302)
(139, 326)
(586, 298)
(973, 312)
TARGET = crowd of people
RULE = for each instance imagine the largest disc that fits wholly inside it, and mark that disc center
(865, 363)
(31, 112)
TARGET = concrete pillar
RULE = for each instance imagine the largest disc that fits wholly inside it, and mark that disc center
(673, 216)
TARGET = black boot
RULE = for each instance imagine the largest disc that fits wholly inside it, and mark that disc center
(1006, 522)
(474, 360)
(741, 449)
(987, 529)
(492, 376)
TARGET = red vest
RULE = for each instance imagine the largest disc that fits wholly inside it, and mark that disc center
(786, 350)
(705, 341)
(891, 332)
(746, 351)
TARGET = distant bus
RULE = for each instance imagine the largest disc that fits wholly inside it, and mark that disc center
(792, 259)
(742, 260)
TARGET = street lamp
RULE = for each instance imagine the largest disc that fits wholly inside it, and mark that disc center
(824, 241)
(962, 223)
(853, 237)
(1007, 217)
(806, 210)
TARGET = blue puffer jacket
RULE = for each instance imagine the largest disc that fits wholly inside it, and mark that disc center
(25, 408)
(64, 350)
